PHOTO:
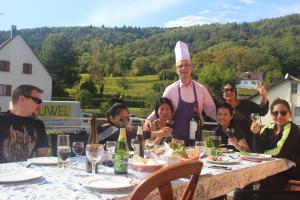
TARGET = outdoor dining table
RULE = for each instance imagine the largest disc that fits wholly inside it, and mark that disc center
(66, 183)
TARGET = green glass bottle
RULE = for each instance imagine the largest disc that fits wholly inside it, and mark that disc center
(121, 153)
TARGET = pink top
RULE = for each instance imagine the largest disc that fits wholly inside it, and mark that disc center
(205, 101)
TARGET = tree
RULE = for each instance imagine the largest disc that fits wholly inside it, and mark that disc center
(89, 85)
(97, 69)
(215, 76)
(85, 97)
(141, 66)
(59, 57)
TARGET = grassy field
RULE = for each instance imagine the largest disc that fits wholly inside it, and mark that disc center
(139, 87)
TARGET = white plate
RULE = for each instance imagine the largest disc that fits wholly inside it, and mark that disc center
(257, 156)
(109, 183)
(43, 160)
(224, 162)
(19, 176)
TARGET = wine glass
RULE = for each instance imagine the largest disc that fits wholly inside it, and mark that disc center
(216, 141)
(93, 153)
(254, 117)
(77, 148)
(63, 150)
(230, 132)
(170, 123)
(110, 147)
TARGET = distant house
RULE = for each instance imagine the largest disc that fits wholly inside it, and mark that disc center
(247, 85)
(287, 89)
(20, 65)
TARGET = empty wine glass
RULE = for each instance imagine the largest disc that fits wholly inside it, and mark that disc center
(77, 148)
(200, 148)
(93, 153)
(63, 150)
(230, 132)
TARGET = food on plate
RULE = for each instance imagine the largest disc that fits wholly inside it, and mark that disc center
(137, 160)
(178, 147)
(224, 150)
(215, 158)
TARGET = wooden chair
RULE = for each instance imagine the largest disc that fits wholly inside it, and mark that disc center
(294, 185)
(162, 178)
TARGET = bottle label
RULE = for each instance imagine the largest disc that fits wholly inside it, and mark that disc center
(193, 129)
(121, 163)
(137, 149)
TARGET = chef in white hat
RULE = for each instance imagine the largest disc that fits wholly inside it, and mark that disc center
(187, 95)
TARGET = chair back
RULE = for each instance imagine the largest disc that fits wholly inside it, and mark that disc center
(162, 178)
(294, 185)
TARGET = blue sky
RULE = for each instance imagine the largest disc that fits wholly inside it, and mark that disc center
(143, 13)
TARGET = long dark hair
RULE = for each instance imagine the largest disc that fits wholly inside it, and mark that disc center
(232, 86)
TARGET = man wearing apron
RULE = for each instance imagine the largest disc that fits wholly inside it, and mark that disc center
(185, 94)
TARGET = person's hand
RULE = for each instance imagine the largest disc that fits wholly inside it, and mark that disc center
(255, 127)
(147, 125)
(233, 141)
(166, 132)
(262, 92)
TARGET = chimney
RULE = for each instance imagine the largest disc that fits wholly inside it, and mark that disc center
(13, 31)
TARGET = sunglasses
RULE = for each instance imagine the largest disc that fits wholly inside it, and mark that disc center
(228, 90)
(282, 113)
(35, 99)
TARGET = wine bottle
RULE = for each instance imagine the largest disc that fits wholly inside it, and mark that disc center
(139, 143)
(121, 153)
(195, 125)
(93, 139)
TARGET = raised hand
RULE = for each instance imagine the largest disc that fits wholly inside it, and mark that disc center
(262, 91)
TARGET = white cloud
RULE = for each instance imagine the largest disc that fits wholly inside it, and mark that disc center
(120, 12)
(217, 14)
(248, 2)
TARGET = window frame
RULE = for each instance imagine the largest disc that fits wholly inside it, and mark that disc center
(294, 88)
(4, 66)
(27, 68)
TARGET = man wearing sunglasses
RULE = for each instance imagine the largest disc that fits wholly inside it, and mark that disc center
(22, 135)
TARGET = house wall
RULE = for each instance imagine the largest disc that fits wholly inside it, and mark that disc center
(282, 91)
(18, 52)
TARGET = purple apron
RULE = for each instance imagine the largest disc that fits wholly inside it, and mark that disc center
(183, 116)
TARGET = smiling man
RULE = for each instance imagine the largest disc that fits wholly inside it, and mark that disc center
(22, 135)
(186, 95)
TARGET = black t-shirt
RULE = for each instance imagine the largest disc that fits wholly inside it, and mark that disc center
(20, 137)
(238, 132)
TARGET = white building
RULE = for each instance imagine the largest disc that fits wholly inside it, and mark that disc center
(287, 89)
(20, 65)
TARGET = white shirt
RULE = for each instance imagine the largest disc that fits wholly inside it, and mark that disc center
(205, 101)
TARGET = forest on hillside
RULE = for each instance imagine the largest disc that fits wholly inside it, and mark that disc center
(218, 51)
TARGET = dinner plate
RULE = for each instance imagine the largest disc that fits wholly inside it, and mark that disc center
(224, 161)
(19, 176)
(256, 156)
(43, 160)
(109, 183)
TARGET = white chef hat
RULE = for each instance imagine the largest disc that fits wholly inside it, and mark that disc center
(181, 51)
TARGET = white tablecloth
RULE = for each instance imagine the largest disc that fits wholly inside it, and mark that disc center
(58, 183)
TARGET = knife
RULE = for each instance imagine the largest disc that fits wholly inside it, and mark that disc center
(250, 159)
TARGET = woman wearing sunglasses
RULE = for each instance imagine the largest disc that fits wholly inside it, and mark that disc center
(244, 108)
(280, 139)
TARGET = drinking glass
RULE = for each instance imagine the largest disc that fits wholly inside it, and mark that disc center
(200, 148)
(216, 141)
(110, 147)
(94, 153)
(63, 150)
(230, 132)
(77, 148)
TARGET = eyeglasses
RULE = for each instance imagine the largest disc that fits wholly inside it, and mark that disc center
(228, 90)
(282, 113)
(185, 65)
(35, 99)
